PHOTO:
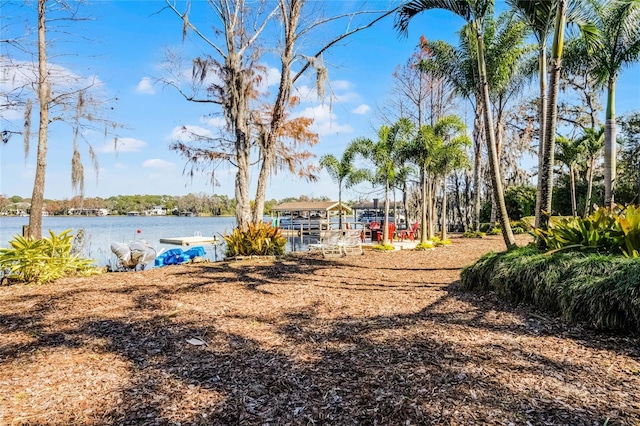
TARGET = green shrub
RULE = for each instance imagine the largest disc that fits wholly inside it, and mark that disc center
(439, 243)
(260, 239)
(517, 230)
(45, 260)
(473, 234)
(485, 227)
(495, 231)
(601, 290)
(427, 245)
(527, 222)
(383, 247)
(605, 230)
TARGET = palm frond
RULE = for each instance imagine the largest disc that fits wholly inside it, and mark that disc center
(412, 8)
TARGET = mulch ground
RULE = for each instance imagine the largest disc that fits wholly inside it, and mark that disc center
(383, 338)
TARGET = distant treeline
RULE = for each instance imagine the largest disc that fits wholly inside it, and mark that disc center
(200, 204)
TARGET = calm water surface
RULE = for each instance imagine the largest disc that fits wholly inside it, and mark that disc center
(100, 232)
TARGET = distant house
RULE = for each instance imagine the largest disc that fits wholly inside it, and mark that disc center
(88, 212)
(156, 211)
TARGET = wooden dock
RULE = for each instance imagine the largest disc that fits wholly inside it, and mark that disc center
(188, 241)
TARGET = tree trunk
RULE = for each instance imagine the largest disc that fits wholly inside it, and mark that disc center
(542, 116)
(261, 188)
(290, 12)
(477, 162)
(496, 180)
(610, 146)
(385, 228)
(546, 173)
(431, 196)
(590, 169)
(572, 176)
(443, 221)
(458, 201)
(423, 210)
(44, 93)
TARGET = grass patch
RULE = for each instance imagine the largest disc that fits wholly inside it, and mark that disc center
(600, 290)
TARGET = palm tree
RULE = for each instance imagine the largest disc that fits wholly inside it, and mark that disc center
(475, 13)
(618, 23)
(450, 155)
(544, 18)
(437, 151)
(569, 152)
(592, 141)
(458, 65)
(386, 158)
(344, 173)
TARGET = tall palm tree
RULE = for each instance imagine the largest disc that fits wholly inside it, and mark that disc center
(385, 156)
(569, 152)
(344, 173)
(458, 65)
(474, 12)
(618, 23)
(546, 18)
(539, 15)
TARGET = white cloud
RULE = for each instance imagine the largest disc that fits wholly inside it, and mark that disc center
(361, 109)
(218, 122)
(122, 145)
(341, 85)
(270, 77)
(145, 87)
(306, 93)
(156, 163)
(324, 121)
(189, 133)
(341, 91)
(17, 74)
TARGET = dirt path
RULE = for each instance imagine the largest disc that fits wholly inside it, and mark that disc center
(383, 338)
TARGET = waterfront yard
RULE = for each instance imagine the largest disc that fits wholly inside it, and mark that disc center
(383, 338)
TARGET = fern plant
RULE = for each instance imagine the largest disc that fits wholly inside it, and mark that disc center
(260, 239)
(45, 260)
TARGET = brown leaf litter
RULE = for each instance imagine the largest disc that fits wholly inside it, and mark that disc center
(377, 339)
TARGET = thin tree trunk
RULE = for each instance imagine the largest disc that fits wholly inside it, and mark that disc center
(44, 93)
(542, 116)
(610, 147)
(477, 163)
(458, 201)
(385, 228)
(423, 210)
(546, 173)
(496, 180)
(443, 221)
(572, 176)
(590, 169)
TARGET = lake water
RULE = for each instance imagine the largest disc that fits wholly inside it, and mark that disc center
(101, 231)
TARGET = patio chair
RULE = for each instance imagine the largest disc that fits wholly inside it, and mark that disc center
(331, 243)
(392, 231)
(411, 234)
(352, 242)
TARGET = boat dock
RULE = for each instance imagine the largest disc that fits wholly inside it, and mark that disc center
(188, 241)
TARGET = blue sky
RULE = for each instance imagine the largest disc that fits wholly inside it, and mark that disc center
(123, 47)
